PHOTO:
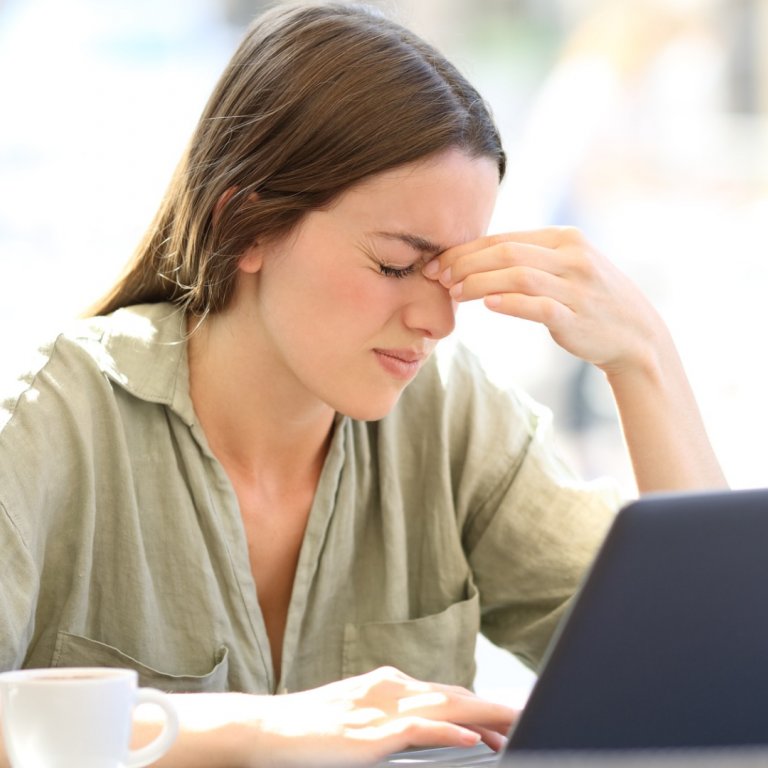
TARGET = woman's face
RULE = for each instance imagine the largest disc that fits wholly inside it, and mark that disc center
(340, 307)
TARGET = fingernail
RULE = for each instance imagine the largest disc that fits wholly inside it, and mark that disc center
(456, 290)
(445, 278)
(431, 268)
(493, 300)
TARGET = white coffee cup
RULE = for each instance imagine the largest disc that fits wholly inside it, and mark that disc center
(78, 716)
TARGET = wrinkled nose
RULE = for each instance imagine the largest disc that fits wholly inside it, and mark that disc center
(430, 309)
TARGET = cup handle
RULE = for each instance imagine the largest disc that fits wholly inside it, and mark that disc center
(162, 743)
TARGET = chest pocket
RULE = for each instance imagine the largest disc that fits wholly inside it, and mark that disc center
(77, 651)
(438, 648)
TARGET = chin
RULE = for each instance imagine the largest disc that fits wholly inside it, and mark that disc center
(369, 411)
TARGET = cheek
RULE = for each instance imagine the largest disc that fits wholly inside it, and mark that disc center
(323, 306)
(320, 295)
(364, 295)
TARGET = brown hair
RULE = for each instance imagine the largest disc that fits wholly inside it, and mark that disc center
(316, 98)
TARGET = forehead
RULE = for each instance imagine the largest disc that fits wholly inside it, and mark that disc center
(447, 199)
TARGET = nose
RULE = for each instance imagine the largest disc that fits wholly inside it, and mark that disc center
(430, 310)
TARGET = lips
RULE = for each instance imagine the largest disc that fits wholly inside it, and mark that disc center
(405, 355)
(400, 363)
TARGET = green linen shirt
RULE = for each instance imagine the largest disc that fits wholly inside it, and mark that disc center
(123, 544)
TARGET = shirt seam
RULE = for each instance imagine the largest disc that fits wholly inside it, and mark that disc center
(174, 394)
(507, 479)
(15, 525)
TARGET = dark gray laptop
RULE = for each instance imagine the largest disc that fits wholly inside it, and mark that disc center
(666, 644)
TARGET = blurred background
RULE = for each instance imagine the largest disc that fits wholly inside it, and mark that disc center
(644, 122)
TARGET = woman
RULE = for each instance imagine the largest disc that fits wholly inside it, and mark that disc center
(247, 472)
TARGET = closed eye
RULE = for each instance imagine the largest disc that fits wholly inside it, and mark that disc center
(399, 272)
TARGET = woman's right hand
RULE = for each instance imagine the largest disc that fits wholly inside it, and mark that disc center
(362, 719)
(356, 721)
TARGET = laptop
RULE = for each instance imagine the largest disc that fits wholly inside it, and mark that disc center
(665, 646)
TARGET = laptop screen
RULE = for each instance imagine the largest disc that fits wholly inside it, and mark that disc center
(666, 644)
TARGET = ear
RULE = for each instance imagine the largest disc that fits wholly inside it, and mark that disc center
(224, 198)
(251, 260)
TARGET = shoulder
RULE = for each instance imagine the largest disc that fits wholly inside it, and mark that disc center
(69, 372)
(62, 413)
(54, 366)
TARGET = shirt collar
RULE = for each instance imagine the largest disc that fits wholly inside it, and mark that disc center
(143, 349)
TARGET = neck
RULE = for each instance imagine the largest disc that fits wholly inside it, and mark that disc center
(256, 421)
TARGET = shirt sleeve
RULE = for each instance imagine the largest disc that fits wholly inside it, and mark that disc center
(530, 526)
(18, 595)
(30, 459)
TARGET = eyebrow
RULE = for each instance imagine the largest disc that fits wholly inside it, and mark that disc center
(418, 243)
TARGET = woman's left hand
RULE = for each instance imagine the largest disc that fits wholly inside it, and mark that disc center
(555, 277)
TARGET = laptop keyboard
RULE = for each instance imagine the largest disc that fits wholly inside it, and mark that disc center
(444, 757)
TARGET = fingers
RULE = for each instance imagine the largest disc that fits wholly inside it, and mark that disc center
(553, 276)
(547, 276)
(360, 747)
(534, 247)
(451, 269)
(388, 694)
(549, 238)
(407, 733)
(396, 694)
(404, 732)
(493, 739)
(514, 280)
(471, 711)
(538, 309)
(384, 711)
(546, 263)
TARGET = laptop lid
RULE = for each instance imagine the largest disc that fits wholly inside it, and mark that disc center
(666, 644)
